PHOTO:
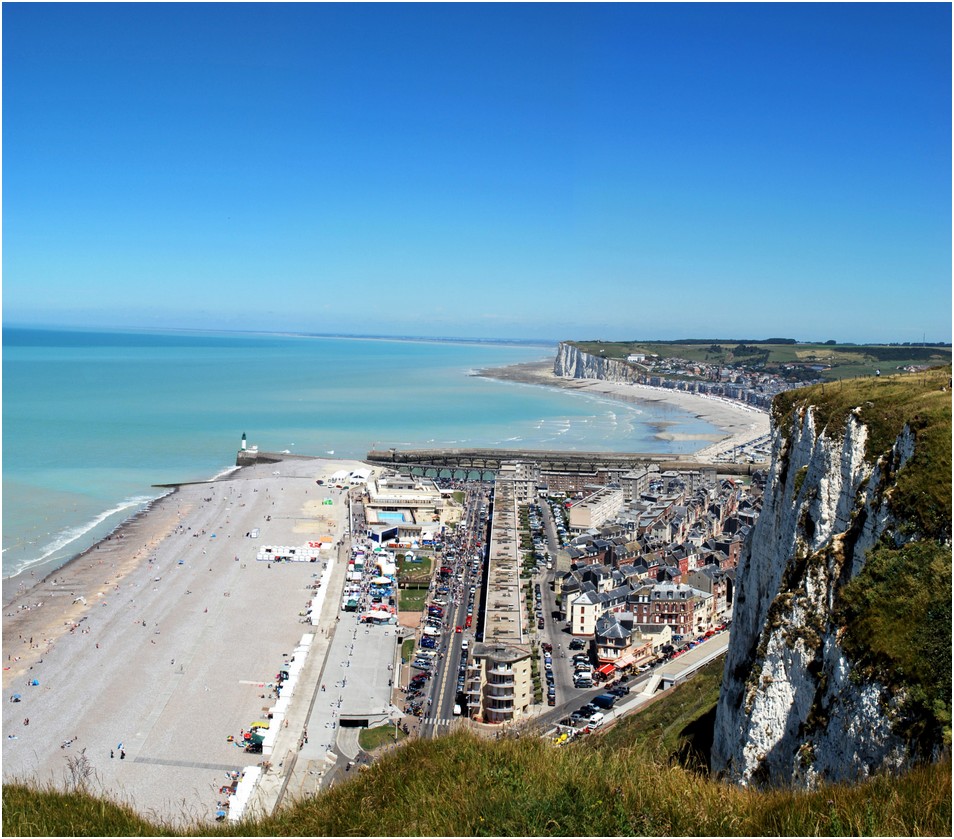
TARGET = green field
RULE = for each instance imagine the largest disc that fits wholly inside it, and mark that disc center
(420, 570)
(412, 599)
(371, 738)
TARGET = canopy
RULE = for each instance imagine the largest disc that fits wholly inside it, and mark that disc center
(606, 669)
(625, 661)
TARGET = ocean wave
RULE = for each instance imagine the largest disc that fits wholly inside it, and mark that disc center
(66, 537)
(227, 471)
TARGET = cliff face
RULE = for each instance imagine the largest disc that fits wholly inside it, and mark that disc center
(796, 706)
(576, 364)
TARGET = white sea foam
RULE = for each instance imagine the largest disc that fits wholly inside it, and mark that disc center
(228, 471)
(70, 535)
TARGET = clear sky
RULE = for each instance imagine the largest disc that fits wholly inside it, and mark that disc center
(501, 171)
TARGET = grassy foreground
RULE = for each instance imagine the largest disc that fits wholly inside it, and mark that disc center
(623, 782)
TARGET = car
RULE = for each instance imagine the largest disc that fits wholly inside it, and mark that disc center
(459, 629)
(551, 700)
(469, 621)
(540, 623)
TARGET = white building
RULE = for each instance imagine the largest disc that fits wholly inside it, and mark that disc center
(592, 511)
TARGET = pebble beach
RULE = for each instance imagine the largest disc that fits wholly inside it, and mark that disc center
(151, 648)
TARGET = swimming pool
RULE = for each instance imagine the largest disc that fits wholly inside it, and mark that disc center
(391, 517)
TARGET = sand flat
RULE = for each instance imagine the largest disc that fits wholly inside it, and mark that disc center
(739, 423)
(215, 628)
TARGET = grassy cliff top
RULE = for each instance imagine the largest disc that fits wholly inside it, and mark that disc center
(885, 404)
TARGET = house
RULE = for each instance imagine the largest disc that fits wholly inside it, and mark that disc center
(584, 610)
(618, 642)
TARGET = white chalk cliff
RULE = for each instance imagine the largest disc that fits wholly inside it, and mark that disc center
(792, 708)
(576, 364)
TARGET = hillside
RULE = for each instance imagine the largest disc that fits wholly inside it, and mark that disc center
(626, 781)
(840, 660)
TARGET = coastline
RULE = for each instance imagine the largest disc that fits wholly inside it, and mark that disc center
(740, 423)
(160, 635)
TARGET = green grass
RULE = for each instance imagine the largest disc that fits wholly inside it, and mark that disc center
(922, 492)
(460, 785)
(371, 738)
(420, 570)
(412, 599)
(407, 648)
(677, 723)
(897, 614)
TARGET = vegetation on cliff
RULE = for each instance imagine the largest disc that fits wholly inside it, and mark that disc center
(896, 612)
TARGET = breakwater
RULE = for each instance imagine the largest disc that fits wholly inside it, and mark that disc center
(548, 461)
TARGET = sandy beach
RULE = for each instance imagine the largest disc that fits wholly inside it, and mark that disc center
(740, 423)
(161, 637)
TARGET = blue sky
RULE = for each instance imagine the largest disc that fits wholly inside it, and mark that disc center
(500, 171)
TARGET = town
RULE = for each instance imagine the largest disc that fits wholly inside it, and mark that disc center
(541, 601)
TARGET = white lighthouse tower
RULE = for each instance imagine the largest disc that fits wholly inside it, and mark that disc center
(244, 442)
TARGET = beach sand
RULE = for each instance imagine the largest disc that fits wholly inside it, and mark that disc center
(740, 423)
(166, 658)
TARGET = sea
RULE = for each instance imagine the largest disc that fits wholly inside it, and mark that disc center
(93, 420)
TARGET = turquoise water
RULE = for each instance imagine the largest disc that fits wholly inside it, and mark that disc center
(91, 420)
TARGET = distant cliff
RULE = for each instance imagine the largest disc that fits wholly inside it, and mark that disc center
(839, 664)
(576, 364)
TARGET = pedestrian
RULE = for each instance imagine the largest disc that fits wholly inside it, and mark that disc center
(111, 755)
(122, 755)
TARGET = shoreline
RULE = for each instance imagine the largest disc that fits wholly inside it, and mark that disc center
(740, 423)
(160, 635)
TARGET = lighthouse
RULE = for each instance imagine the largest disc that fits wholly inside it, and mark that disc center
(244, 442)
